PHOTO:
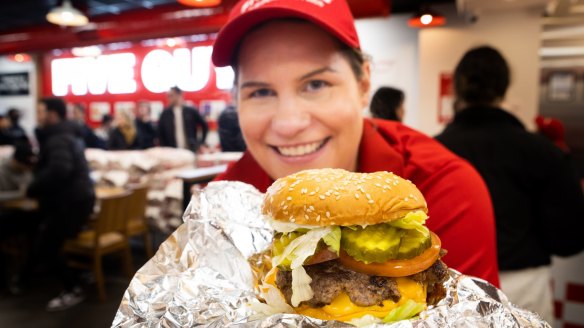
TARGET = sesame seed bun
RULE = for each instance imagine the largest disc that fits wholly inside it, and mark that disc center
(324, 197)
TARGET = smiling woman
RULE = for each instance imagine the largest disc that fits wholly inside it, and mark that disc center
(302, 87)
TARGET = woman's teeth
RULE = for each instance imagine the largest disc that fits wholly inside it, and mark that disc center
(300, 150)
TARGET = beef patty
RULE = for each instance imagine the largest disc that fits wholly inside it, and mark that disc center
(330, 279)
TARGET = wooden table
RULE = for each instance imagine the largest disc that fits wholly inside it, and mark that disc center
(104, 192)
(202, 175)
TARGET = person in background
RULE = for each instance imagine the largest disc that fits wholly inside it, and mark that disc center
(388, 104)
(230, 135)
(16, 130)
(15, 171)
(89, 137)
(65, 194)
(302, 82)
(538, 202)
(124, 135)
(146, 129)
(5, 135)
(178, 124)
(105, 128)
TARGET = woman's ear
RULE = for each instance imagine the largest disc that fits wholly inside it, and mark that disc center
(365, 84)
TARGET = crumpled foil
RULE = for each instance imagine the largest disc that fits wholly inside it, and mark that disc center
(205, 275)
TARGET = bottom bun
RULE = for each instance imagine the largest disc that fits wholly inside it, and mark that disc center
(342, 309)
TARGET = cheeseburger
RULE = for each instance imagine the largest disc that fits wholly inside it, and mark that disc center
(348, 245)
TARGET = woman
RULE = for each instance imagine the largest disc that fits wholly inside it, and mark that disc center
(124, 136)
(388, 103)
(302, 83)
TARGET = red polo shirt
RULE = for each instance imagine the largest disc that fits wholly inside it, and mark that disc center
(459, 206)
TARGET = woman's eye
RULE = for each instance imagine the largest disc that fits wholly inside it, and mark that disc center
(316, 85)
(260, 93)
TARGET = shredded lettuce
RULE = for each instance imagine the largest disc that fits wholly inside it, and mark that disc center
(413, 220)
(297, 252)
(301, 248)
(285, 227)
(365, 321)
(275, 302)
(406, 311)
(301, 290)
(333, 239)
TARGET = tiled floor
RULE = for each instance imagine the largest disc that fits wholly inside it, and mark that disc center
(28, 310)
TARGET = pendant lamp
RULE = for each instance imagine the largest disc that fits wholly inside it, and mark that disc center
(67, 15)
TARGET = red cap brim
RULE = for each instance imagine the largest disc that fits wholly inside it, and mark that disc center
(239, 25)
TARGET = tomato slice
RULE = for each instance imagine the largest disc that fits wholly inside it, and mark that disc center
(396, 268)
(320, 256)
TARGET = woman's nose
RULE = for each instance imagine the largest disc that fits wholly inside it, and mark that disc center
(290, 118)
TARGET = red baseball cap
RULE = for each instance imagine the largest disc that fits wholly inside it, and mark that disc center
(334, 16)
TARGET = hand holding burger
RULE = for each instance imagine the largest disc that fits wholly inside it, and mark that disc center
(349, 245)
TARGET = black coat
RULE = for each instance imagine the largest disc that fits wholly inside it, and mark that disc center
(62, 173)
(192, 121)
(118, 142)
(229, 131)
(538, 202)
(146, 133)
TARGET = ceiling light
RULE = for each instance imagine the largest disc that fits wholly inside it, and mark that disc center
(66, 15)
(20, 58)
(426, 18)
(200, 3)
(90, 51)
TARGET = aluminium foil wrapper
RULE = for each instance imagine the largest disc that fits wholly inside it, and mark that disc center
(205, 275)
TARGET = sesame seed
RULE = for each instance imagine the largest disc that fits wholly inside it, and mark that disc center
(357, 196)
(378, 185)
(289, 198)
(371, 201)
(282, 203)
(368, 196)
(291, 188)
(292, 220)
(317, 189)
(312, 193)
(338, 197)
(311, 207)
(328, 214)
(321, 197)
(318, 218)
(306, 216)
(285, 212)
(406, 199)
(303, 191)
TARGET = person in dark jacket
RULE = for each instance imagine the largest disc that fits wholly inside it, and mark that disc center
(124, 135)
(89, 137)
(146, 129)
(65, 193)
(178, 124)
(230, 135)
(538, 201)
(16, 130)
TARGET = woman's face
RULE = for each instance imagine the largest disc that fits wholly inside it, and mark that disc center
(299, 101)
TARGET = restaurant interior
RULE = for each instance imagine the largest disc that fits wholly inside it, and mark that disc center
(125, 52)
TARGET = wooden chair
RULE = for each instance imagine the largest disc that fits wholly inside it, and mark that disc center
(109, 235)
(137, 222)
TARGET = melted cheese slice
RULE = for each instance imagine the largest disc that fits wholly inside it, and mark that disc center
(342, 309)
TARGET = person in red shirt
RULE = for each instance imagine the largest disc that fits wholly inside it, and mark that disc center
(302, 83)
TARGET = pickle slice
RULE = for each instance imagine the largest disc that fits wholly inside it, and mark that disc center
(413, 243)
(376, 243)
(281, 241)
